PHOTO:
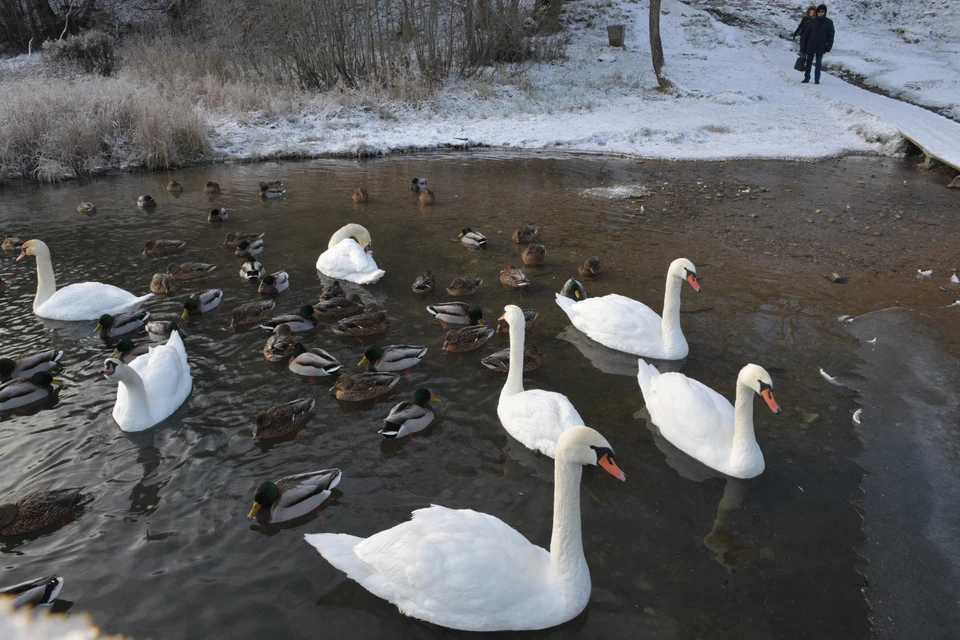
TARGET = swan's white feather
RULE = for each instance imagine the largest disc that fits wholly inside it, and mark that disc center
(457, 568)
(88, 301)
(536, 418)
(347, 260)
(620, 323)
(167, 382)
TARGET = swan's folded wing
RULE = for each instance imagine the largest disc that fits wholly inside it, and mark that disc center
(620, 323)
(87, 301)
(537, 418)
(453, 564)
(166, 375)
(692, 409)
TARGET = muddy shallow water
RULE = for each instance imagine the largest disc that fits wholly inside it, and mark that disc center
(165, 549)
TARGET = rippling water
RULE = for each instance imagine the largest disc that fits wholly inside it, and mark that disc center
(165, 549)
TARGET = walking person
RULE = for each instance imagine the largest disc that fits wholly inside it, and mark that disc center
(802, 28)
(816, 41)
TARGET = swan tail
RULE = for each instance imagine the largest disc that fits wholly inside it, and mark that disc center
(338, 550)
(366, 278)
(566, 304)
(645, 374)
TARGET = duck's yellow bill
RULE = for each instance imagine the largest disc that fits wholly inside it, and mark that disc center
(115, 352)
(184, 315)
(434, 399)
(99, 327)
(364, 361)
(254, 510)
(479, 321)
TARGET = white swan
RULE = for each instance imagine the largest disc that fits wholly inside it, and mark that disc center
(349, 256)
(468, 570)
(624, 324)
(152, 386)
(75, 302)
(536, 418)
(703, 424)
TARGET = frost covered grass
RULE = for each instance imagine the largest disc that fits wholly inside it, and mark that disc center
(53, 129)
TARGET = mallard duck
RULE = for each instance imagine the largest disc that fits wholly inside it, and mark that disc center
(29, 364)
(201, 302)
(251, 270)
(574, 290)
(473, 239)
(427, 196)
(360, 195)
(127, 351)
(174, 187)
(39, 510)
(467, 339)
(162, 247)
(272, 189)
(314, 363)
(146, 202)
(40, 592)
(86, 208)
(529, 315)
(416, 184)
(280, 345)
(234, 238)
(407, 418)
(20, 392)
(456, 313)
(12, 243)
(294, 496)
(189, 270)
(396, 357)
(590, 269)
(211, 187)
(534, 255)
(365, 386)
(331, 291)
(249, 248)
(111, 326)
(339, 307)
(163, 283)
(367, 324)
(159, 331)
(274, 284)
(525, 234)
(283, 419)
(303, 320)
(251, 313)
(513, 278)
(465, 286)
(424, 284)
(218, 215)
(500, 361)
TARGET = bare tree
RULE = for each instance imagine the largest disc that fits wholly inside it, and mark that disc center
(656, 45)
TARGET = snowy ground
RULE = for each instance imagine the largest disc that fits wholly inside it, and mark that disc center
(732, 100)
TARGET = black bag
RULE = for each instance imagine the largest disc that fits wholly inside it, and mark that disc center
(800, 64)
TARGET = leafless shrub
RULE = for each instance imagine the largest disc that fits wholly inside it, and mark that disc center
(91, 52)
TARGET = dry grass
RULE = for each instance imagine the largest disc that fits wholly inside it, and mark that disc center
(60, 128)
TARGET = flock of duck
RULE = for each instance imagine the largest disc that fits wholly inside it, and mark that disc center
(453, 567)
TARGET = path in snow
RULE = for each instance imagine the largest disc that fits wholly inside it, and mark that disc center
(937, 136)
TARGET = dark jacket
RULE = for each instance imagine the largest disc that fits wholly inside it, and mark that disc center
(818, 37)
(801, 27)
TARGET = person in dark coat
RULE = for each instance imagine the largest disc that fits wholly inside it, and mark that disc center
(816, 41)
(802, 27)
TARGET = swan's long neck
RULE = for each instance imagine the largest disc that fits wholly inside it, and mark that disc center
(348, 231)
(514, 384)
(744, 438)
(566, 543)
(136, 393)
(46, 281)
(670, 321)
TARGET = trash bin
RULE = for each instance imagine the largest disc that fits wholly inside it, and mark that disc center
(615, 34)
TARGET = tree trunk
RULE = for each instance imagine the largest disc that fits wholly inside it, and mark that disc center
(656, 45)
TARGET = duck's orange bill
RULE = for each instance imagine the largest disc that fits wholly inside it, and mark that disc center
(768, 396)
(692, 279)
(611, 467)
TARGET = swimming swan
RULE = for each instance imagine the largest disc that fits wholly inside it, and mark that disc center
(74, 302)
(349, 256)
(151, 387)
(703, 424)
(536, 418)
(624, 324)
(467, 570)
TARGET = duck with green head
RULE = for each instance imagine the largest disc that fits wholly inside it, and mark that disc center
(313, 363)
(201, 302)
(574, 290)
(111, 326)
(293, 496)
(127, 351)
(29, 364)
(160, 331)
(456, 313)
(407, 418)
(21, 392)
(473, 239)
(303, 320)
(396, 357)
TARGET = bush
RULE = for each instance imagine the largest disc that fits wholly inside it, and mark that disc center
(91, 52)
